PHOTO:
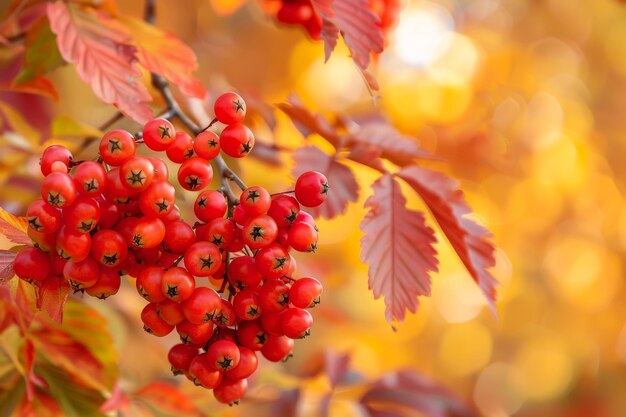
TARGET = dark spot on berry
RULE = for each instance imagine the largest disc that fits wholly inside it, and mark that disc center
(164, 131)
(114, 145)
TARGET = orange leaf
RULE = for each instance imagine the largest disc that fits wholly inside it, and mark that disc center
(40, 85)
(101, 50)
(14, 228)
(166, 397)
(165, 54)
(6, 265)
(52, 296)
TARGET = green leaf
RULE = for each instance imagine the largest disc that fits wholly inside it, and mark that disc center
(42, 54)
(66, 126)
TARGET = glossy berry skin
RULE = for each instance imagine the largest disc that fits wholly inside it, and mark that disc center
(158, 134)
(284, 210)
(248, 363)
(90, 178)
(202, 305)
(108, 284)
(158, 199)
(242, 272)
(246, 305)
(52, 154)
(109, 213)
(236, 244)
(177, 284)
(305, 292)
(203, 259)
(272, 324)
(226, 315)
(195, 174)
(277, 348)
(108, 248)
(236, 140)
(202, 374)
(72, 246)
(181, 149)
(210, 205)
(260, 232)
(296, 322)
(230, 108)
(161, 173)
(43, 241)
(303, 237)
(273, 296)
(148, 232)
(241, 216)
(207, 145)
(178, 237)
(272, 261)
(220, 232)
(58, 190)
(31, 264)
(56, 265)
(42, 217)
(82, 274)
(311, 188)
(251, 335)
(136, 174)
(230, 391)
(196, 334)
(171, 312)
(115, 190)
(117, 146)
(83, 215)
(255, 200)
(223, 355)
(180, 357)
(152, 323)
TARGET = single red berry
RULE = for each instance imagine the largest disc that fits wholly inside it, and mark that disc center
(58, 190)
(200, 373)
(42, 217)
(177, 284)
(207, 145)
(277, 348)
(240, 215)
(136, 174)
(230, 108)
(223, 355)
(246, 304)
(158, 199)
(304, 217)
(311, 188)
(180, 357)
(148, 256)
(115, 190)
(108, 284)
(117, 146)
(90, 178)
(195, 174)
(296, 322)
(73, 246)
(272, 324)
(284, 210)
(148, 232)
(236, 244)
(171, 312)
(181, 149)
(31, 264)
(248, 363)
(226, 315)
(178, 237)
(52, 154)
(152, 323)
(282, 237)
(272, 261)
(108, 247)
(161, 173)
(203, 259)
(82, 274)
(251, 335)
(236, 140)
(255, 200)
(230, 391)
(260, 232)
(44, 241)
(130, 266)
(83, 215)
(126, 227)
(158, 134)
(295, 12)
(273, 296)
(195, 334)
(218, 231)
(303, 237)
(109, 213)
(172, 216)
(242, 272)
(305, 292)
(210, 205)
(167, 259)
(56, 265)
(202, 305)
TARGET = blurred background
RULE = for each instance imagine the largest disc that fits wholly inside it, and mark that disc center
(524, 102)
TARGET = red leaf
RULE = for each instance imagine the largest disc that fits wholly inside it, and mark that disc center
(6, 265)
(29, 368)
(308, 123)
(403, 393)
(166, 397)
(118, 401)
(52, 296)
(398, 246)
(40, 86)
(469, 239)
(165, 54)
(14, 228)
(343, 185)
(358, 25)
(103, 56)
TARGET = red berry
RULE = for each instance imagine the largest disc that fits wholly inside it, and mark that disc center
(255, 200)
(251, 335)
(277, 348)
(219, 231)
(236, 140)
(296, 322)
(230, 391)
(171, 312)
(202, 305)
(202, 374)
(210, 205)
(52, 154)
(42, 217)
(178, 237)
(108, 284)
(240, 215)
(152, 323)
(177, 284)
(72, 246)
(242, 272)
(272, 261)
(230, 108)
(161, 173)
(115, 190)
(158, 134)
(272, 324)
(305, 292)
(137, 173)
(311, 188)
(284, 210)
(246, 304)
(44, 241)
(90, 178)
(82, 274)
(226, 315)
(223, 355)
(207, 145)
(83, 215)
(58, 189)
(237, 244)
(203, 259)
(180, 357)
(181, 149)
(196, 334)
(117, 146)
(248, 363)
(158, 199)
(148, 232)
(260, 232)
(108, 247)
(195, 174)
(273, 296)
(56, 265)
(109, 213)
(31, 264)
(303, 237)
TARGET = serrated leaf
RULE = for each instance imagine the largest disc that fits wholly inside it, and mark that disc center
(6, 265)
(14, 228)
(40, 86)
(398, 247)
(52, 296)
(166, 55)
(308, 123)
(101, 50)
(470, 240)
(41, 55)
(343, 185)
(165, 399)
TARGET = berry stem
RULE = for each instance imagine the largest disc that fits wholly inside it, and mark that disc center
(210, 124)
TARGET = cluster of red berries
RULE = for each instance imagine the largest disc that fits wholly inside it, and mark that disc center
(98, 220)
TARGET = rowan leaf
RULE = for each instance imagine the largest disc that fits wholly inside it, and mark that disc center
(307, 122)
(398, 247)
(52, 296)
(165, 399)
(470, 240)
(27, 137)
(163, 53)
(41, 55)
(343, 185)
(101, 50)
(6, 265)
(14, 228)
(357, 24)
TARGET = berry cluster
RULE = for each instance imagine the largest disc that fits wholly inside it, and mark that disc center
(98, 220)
